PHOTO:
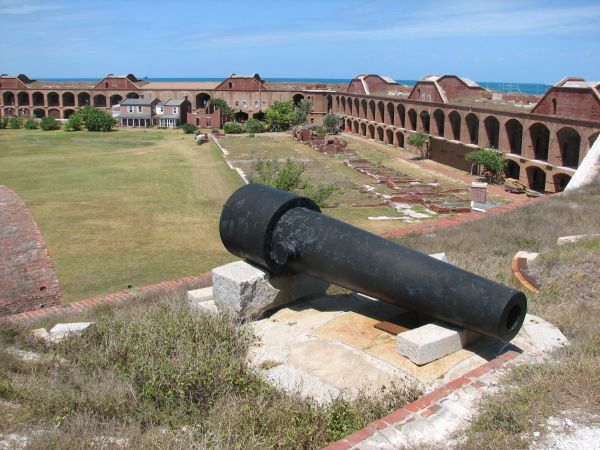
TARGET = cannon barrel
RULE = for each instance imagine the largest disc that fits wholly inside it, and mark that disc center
(286, 233)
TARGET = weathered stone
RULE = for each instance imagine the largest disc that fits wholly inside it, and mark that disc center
(430, 342)
(63, 330)
(197, 296)
(207, 307)
(247, 291)
(577, 237)
(295, 380)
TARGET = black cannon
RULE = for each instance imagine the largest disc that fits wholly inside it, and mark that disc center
(286, 233)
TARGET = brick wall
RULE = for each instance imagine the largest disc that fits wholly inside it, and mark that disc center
(572, 103)
(27, 276)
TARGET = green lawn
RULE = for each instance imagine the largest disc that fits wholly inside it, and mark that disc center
(120, 208)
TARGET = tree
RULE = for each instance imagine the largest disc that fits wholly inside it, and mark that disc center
(420, 140)
(232, 128)
(331, 122)
(490, 160)
(49, 123)
(30, 124)
(95, 119)
(189, 128)
(221, 104)
(254, 126)
(280, 114)
(301, 111)
(288, 177)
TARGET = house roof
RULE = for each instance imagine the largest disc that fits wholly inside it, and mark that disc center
(138, 101)
(173, 102)
(183, 85)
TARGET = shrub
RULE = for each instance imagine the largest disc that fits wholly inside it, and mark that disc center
(3, 122)
(30, 124)
(280, 114)
(74, 123)
(319, 130)
(95, 119)
(420, 141)
(233, 128)
(491, 160)
(14, 122)
(49, 123)
(219, 103)
(331, 122)
(254, 126)
(189, 128)
(301, 111)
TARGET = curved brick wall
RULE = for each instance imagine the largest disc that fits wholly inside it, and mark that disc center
(27, 276)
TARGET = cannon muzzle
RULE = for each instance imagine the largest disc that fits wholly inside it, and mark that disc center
(286, 233)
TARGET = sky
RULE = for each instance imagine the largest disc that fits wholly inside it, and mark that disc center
(485, 40)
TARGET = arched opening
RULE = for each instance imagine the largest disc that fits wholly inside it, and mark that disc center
(401, 115)
(23, 99)
(439, 118)
(349, 126)
(514, 132)
(492, 129)
(259, 116)
(132, 95)
(356, 107)
(390, 114)
(8, 98)
(54, 113)
(554, 106)
(38, 113)
(400, 139)
(380, 134)
(540, 140)
(513, 170)
(37, 98)
(9, 112)
(329, 104)
(472, 122)
(372, 131)
(100, 101)
(53, 99)
(115, 99)
(569, 142)
(593, 138)
(560, 181)
(412, 119)
(363, 129)
(23, 112)
(389, 137)
(337, 102)
(372, 110)
(454, 118)
(380, 112)
(68, 99)
(536, 178)
(202, 100)
(68, 113)
(343, 103)
(83, 99)
(425, 121)
(356, 127)
(363, 108)
(296, 99)
(240, 116)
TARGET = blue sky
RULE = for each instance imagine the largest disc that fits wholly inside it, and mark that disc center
(503, 40)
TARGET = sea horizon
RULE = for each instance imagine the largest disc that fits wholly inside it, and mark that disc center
(500, 86)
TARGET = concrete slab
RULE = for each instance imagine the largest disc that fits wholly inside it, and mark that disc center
(200, 295)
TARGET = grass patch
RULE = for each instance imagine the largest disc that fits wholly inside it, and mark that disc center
(125, 207)
(153, 374)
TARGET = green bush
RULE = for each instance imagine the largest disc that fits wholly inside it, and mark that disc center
(254, 126)
(331, 122)
(420, 141)
(3, 122)
(49, 123)
(219, 103)
(14, 122)
(95, 119)
(233, 128)
(490, 160)
(30, 124)
(319, 130)
(189, 128)
(74, 123)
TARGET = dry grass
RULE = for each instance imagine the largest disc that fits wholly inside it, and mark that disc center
(569, 299)
(154, 375)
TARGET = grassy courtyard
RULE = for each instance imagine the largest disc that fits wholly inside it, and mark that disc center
(120, 208)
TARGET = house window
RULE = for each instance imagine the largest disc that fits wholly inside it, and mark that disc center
(139, 109)
(161, 109)
(230, 85)
(130, 109)
(256, 103)
(175, 110)
(244, 103)
(264, 103)
(237, 103)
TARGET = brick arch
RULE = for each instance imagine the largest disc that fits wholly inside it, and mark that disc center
(425, 120)
(68, 113)
(513, 169)
(9, 112)
(569, 142)
(371, 111)
(380, 112)
(115, 99)
(380, 134)
(514, 134)
(356, 127)
(349, 126)
(593, 138)
(53, 112)
(27, 279)
(23, 99)
(454, 119)
(399, 138)
(536, 178)
(37, 99)
(363, 109)
(439, 120)
(8, 98)
(53, 99)
(356, 107)
(371, 131)
(389, 119)
(68, 99)
(540, 140)
(492, 130)
(343, 103)
(83, 99)
(100, 100)
(412, 119)
(401, 112)
(389, 137)
(560, 181)
(39, 113)
(472, 122)
(363, 129)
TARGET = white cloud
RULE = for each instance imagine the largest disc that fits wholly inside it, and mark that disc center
(16, 7)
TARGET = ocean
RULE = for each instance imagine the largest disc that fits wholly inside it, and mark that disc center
(523, 88)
